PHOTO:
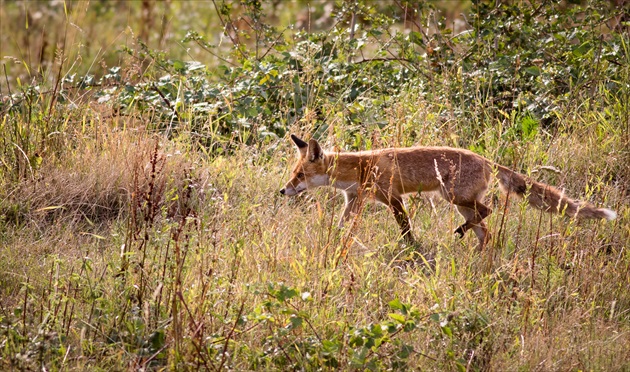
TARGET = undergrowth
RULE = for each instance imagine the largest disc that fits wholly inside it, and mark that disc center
(142, 227)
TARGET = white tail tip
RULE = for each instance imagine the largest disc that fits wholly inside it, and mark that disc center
(609, 214)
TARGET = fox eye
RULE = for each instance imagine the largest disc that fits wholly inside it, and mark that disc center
(300, 175)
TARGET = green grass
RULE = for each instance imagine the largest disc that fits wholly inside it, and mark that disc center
(129, 244)
(549, 295)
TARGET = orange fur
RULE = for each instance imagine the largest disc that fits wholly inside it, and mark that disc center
(460, 176)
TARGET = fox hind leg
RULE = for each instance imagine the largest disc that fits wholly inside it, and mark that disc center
(474, 220)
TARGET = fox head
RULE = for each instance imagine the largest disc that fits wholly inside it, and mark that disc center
(310, 170)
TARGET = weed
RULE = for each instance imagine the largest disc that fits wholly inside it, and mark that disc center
(142, 228)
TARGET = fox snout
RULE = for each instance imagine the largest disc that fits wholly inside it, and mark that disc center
(287, 192)
(290, 191)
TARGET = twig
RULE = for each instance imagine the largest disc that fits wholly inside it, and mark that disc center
(204, 47)
(192, 319)
(6, 78)
(229, 336)
(353, 23)
(146, 362)
(272, 44)
(396, 59)
(28, 162)
(403, 8)
(235, 42)
(168, 103)
(53, 99)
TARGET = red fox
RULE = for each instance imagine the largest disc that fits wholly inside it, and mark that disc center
(460, 176)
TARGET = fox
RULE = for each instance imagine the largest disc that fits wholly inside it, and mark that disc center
(460, 176)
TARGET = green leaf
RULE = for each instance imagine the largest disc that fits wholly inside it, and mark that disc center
(395, 304)
(157, 340)
(405, 351)
(447, 331)
(330, 346)
(296, 322)
(356, 340)
(409, 326)
(398, 317)
(582, 49)
(533, 70)
(179, 66)
(529, 126)
(285, 293)
(416, 38)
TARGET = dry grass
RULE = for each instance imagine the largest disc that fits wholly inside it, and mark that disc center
(130, 250)
(549, 298)
(95, 182)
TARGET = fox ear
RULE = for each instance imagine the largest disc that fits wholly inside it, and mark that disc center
(301, 145)
(314, 150)
(298, 142)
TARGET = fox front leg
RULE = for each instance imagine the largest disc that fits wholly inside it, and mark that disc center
(350, 210)
(397, 207)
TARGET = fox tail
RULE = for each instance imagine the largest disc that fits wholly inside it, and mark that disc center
(548, 198)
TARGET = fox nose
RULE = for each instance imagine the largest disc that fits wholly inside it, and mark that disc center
(282, 191)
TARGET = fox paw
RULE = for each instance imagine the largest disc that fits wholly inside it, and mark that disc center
(461, 231)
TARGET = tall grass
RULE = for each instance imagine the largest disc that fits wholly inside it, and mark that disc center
(152, 287)
(127, 245)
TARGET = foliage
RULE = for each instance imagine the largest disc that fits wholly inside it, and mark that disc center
(142, 228)
(370, 347)
(528, 59)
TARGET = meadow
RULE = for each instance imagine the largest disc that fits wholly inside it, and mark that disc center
(143, 146)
